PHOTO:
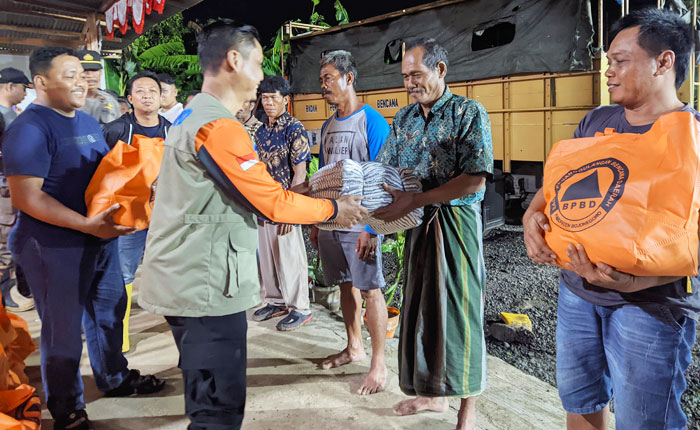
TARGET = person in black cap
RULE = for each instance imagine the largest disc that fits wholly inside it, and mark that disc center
(13, 88)
(15, 293)
(100, 104)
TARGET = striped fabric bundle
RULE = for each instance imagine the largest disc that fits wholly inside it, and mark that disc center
(401, 179)
(343, 178)
(365, 179)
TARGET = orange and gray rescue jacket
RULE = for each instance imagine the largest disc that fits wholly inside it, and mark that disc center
(200, 255)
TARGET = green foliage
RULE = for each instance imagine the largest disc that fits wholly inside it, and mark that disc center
(316, 271)
(312, 167)
(170, 56)
(316, 18)
(279, 45)
(161, 50)
(341, 15)
(168, 30)
(396, 247)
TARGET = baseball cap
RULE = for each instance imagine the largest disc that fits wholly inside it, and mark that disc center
(10, 75)
(90, 59)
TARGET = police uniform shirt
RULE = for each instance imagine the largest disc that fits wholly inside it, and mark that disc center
(104, 108)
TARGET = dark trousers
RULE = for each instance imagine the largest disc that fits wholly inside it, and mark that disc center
(213, 364)
(73, 286)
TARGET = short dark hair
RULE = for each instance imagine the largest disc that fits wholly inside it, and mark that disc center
(164, 78)
(660, 30)
(193, 93)
(219, 37)
(143, 74)
(434, 52)
(272, 84)
(123, 100)
(41, 58)
(342, 61)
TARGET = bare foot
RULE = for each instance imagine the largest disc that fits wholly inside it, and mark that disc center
(415, 405)
(466, 417)
(342, 358)
(374, 381)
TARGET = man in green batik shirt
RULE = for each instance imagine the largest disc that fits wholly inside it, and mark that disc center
(446, 140)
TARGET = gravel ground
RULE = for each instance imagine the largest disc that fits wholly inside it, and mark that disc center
(515, 284)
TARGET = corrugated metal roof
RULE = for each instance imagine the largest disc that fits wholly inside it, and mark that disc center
(49, 20)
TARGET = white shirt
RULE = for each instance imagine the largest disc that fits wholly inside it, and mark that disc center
(172, 113)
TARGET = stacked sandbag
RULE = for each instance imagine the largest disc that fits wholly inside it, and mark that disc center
(343, 178)
(375, 197)
(365, 179)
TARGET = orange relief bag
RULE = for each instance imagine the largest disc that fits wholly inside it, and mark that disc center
(631, 200)
(127, 175)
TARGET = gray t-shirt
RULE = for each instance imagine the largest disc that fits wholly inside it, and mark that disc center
(357, 137)
(673, 295)
(8, 115)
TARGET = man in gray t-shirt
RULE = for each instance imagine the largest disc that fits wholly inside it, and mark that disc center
(618, 333)
(353, 258)
(13, 88)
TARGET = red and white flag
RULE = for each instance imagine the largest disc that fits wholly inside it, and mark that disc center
(248, 161)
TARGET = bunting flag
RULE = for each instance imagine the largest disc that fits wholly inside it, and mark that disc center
(118, 14)
(138, 12)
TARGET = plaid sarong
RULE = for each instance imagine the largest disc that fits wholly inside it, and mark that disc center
(442, 350)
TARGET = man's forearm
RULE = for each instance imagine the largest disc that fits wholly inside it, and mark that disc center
(460, 186)
(45, 208)
(299, 173)
(644, 282)
(537, 204)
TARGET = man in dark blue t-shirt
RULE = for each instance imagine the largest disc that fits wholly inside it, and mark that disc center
(616, 333)
(50, 153)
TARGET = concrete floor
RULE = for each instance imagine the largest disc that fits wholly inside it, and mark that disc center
(286, 391)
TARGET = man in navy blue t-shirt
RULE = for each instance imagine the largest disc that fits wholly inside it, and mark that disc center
(616, 333)
(71, 263)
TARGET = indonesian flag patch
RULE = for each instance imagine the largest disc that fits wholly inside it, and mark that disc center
(248, 161)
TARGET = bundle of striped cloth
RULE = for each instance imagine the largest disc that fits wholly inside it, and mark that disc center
(348, 177)
(375, 197)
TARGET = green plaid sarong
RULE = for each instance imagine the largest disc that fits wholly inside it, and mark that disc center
(442, 350)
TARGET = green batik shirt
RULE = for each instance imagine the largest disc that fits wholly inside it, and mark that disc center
(455, 138)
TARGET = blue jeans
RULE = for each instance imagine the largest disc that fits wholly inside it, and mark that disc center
(638, 355)
(131, 249)
(74, 285)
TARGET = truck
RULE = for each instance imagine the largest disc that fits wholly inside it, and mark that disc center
(537, 67)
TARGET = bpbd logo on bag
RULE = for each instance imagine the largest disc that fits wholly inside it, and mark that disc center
(584, 196)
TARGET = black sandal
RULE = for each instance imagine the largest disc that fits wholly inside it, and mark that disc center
(134, 383)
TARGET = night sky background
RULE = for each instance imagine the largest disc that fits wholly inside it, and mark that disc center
(268, 16)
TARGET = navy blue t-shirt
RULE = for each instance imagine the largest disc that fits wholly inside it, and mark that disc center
(673, 295)
(65, 152)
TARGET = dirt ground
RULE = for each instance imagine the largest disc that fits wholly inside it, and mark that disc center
(285, 389)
